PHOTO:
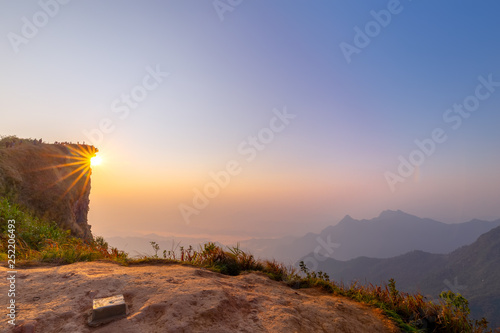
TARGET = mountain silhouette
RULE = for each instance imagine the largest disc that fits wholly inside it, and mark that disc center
(472, 270)
(390, 234)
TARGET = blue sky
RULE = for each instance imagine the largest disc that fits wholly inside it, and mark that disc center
(225, 77)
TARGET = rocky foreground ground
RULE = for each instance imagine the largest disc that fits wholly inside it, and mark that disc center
(177, 298)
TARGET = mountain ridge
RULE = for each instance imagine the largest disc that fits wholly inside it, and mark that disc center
(390, 234)
(471, 270)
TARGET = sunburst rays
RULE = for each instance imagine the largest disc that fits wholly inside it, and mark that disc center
(78, 166)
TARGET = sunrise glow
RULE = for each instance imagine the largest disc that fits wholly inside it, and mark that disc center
(96, 160)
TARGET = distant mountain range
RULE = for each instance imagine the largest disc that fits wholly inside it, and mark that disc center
(388, 235)
(473, 271)
(420, 254)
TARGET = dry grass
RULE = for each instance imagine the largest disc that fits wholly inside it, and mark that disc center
(38, 240)
(27, 178)
(413, 313)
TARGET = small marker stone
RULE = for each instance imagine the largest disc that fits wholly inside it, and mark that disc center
(107, 309)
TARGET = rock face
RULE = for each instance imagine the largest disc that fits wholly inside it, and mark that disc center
(182, 299)
(51, 180)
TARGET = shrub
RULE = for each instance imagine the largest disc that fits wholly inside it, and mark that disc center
(44, 241)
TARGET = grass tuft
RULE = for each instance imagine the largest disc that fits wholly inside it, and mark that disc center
(40, 241)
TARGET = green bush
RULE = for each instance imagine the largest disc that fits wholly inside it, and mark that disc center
(44, 241)
(38, 240)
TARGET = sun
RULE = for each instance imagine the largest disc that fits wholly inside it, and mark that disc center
(96, 160)
(77, 162)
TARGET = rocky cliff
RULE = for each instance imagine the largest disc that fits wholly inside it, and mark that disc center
(51, 180)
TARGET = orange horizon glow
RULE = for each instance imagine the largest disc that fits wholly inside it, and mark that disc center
(96, 160)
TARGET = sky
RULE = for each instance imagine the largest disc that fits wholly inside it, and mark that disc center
(262, 118)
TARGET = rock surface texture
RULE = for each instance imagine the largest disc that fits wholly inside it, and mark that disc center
(178, 298)
(52, 180)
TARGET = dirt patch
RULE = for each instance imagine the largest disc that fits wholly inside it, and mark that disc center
(176, 298)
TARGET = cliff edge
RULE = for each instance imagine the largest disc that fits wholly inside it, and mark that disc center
(51, 180)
